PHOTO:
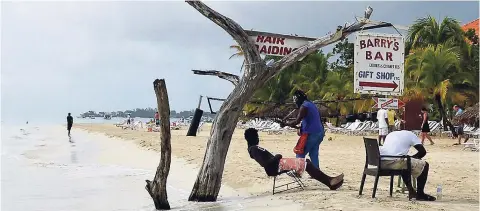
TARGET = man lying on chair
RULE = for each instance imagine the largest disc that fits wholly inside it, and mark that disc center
(276, 165)
(398, 143)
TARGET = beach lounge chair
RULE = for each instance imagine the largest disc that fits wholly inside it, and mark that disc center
(295, 184)
(122, 123)
(372, 159)
(332, 128)
(472, 145)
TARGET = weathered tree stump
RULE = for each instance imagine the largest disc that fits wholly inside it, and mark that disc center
(158, 187)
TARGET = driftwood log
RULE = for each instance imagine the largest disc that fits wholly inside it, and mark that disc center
(256, 73)
(158, 187)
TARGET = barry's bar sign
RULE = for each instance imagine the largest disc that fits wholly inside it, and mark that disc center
(277, 44)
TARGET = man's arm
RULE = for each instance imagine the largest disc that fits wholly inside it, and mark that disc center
(421, 151)
(301, 114)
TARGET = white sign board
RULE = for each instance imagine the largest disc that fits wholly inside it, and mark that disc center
(379, 64)
(277, 44)
(388, 103)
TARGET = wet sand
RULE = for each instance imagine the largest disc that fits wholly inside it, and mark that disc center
(455, 169)
(43, 170)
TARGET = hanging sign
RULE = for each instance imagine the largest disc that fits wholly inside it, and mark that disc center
(379, 64)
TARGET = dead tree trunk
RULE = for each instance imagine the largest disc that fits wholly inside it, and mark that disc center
(256, 73)
(158, 188)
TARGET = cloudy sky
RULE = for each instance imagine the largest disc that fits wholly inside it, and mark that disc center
(59, 57)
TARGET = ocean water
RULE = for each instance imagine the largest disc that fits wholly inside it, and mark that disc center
(43, 170)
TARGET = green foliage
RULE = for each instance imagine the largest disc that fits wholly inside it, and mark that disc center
(440, 59)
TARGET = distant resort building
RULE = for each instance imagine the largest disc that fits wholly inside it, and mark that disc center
(471, 25)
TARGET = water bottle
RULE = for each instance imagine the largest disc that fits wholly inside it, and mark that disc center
(439, 192)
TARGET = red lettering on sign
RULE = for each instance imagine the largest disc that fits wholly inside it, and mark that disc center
(260, 38)
(389, 56)
(383, 44)
(362, 44)
(263, 49)
(287, 51)
(368, 55)
(378, 56)
(281, 41)
(380, 43)
(275, 50)
(268, 39)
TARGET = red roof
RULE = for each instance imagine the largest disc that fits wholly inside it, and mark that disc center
(472, 25)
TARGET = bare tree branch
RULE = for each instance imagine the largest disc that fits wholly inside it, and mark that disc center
(231, 27)
(312, 47)
(223, 75)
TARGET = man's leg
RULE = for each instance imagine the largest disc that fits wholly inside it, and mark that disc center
(421, 179)
(314, 150)
(331, 182)
(308, 149)
(407, 179)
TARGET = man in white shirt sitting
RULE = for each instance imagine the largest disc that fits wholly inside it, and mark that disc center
(398, 143)
(382, 118)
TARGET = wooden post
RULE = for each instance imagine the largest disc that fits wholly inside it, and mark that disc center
(199, 102)
(158, 188)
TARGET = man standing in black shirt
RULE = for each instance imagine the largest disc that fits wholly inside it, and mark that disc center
(69, 123)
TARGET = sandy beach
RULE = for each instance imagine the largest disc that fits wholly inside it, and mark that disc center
(455, 169)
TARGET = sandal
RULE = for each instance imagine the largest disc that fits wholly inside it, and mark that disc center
(425, 197)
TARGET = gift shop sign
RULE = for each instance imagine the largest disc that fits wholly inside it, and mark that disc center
(379, 64)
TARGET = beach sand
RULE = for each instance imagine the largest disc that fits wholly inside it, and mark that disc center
(455, 169)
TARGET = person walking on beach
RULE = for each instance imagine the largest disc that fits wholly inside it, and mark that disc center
(459, 126)
(311, 126)
(382, 118)
(157, 119)
(425, 127)
(392, 115)
(69, 123)
(391, 120)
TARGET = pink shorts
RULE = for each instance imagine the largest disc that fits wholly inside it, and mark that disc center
(296, 164)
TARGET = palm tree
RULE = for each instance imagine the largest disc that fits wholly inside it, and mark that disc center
(238, 53)
(339, 86)
(312, 74)
(427, 31)
(435, 72)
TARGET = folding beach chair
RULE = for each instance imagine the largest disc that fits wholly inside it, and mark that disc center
(297, 182)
